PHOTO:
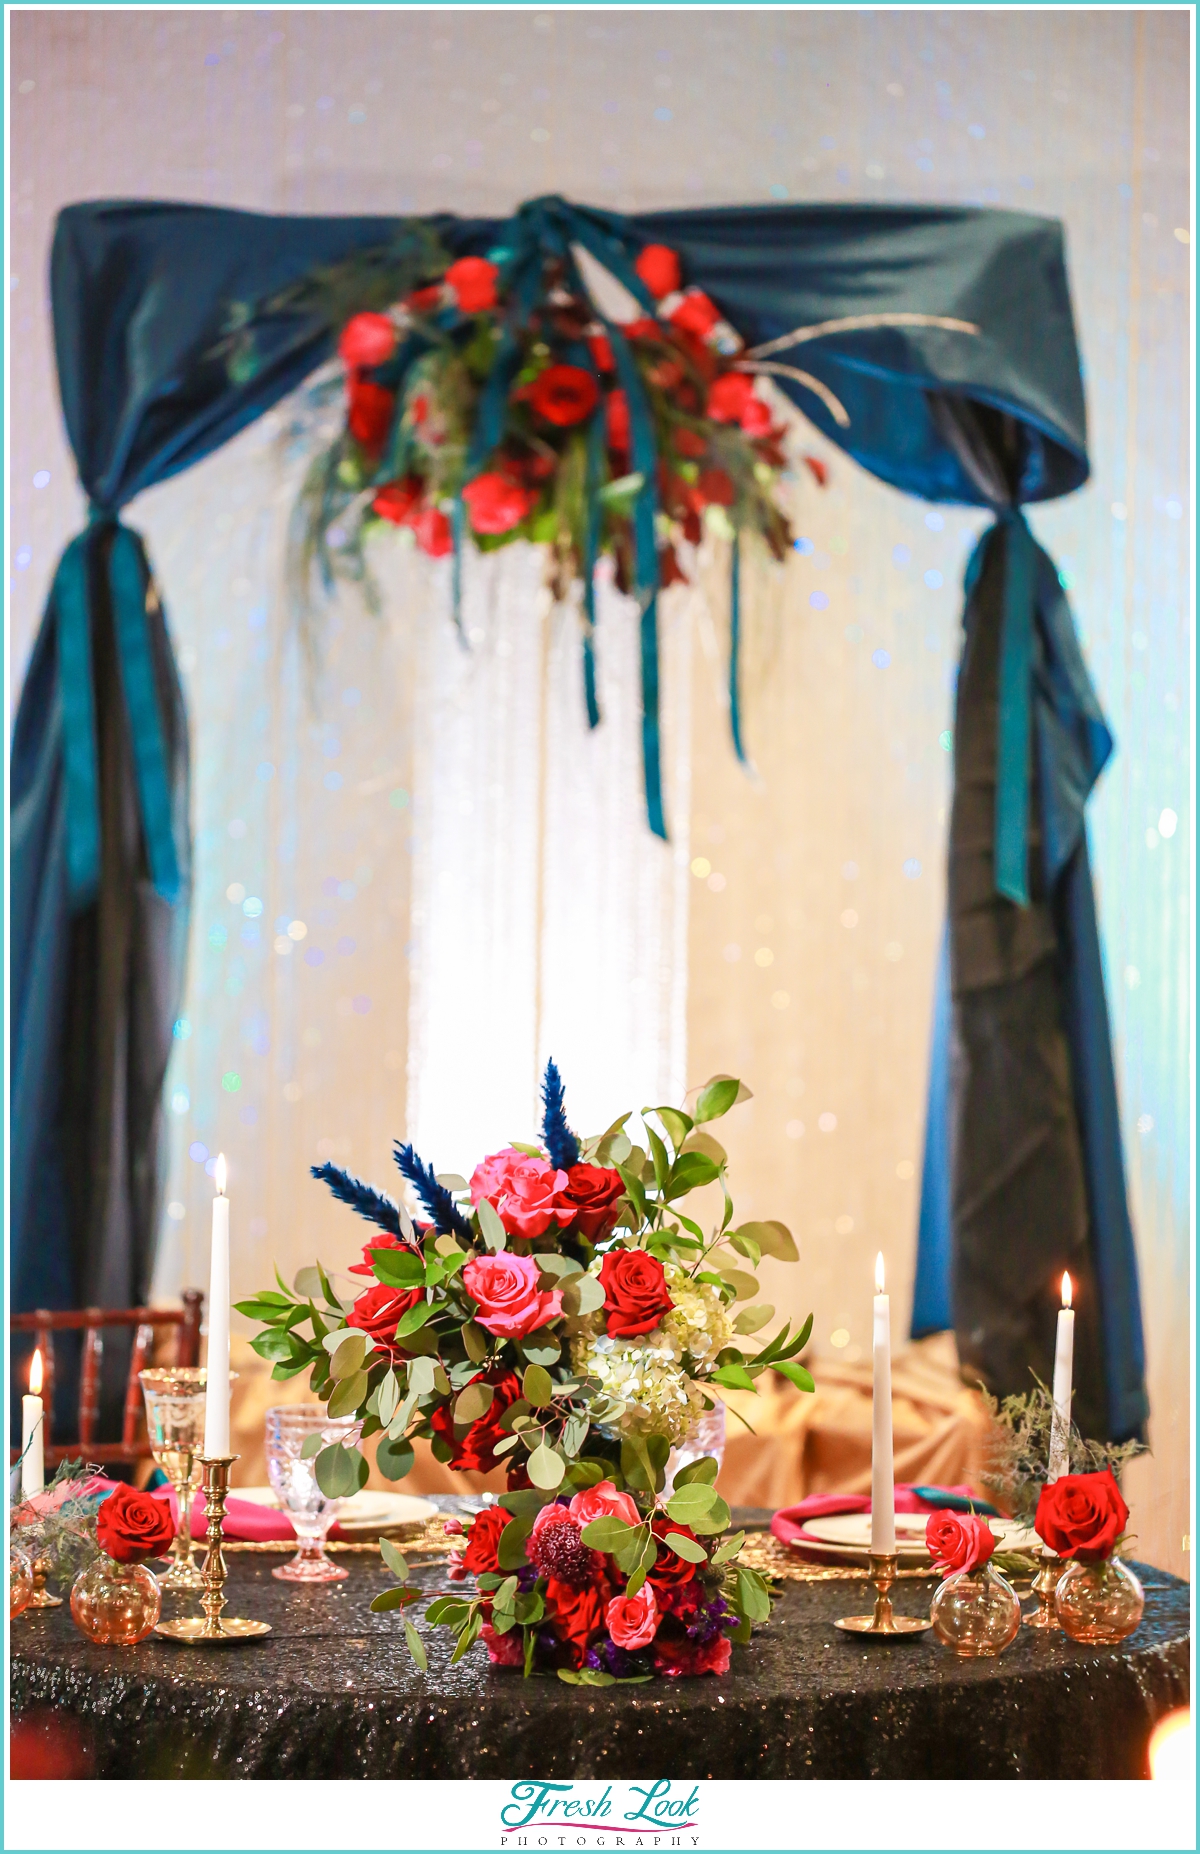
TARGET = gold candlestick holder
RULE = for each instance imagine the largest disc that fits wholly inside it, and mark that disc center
(882, 1622)
(1043, 1587)
(212, 1626)
(41, 1598)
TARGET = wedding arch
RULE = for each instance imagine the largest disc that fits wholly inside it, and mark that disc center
(935, 346)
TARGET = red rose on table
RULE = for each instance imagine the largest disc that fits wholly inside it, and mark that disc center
(367, 340)
(496, 503)
(369, 413)
(399, 502)
(131, 1526)
(1081, 1516)
(473, 280)
(483, 1541)
(593, 1192)
(433, 531)
(669, 1569)
(959, 1541)
(635, 1292)
(658, 268)
(577, 1615)
(379, 1310)
(475, 1450)
(696, 314)
(563, 395)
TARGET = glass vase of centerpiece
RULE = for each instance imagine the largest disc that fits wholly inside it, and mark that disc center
(975, 1609)
(1082, 1518)
(560, 1315)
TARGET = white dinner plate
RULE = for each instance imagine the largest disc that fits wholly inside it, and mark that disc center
(367, 1509)
(851, 1532)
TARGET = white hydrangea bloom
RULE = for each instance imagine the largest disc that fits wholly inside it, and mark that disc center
(646, 1373)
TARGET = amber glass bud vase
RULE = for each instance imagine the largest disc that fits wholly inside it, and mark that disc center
(116, 1603)
(1100, 1602)
(975, 1612)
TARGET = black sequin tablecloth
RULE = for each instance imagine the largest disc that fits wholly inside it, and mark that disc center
(332, 1693)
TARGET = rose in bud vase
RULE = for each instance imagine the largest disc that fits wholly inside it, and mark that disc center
(560, 1315)
(1082, 1518)
(117, 1599)
(975, 1610)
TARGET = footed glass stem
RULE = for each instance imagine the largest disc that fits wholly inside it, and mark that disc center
(1099, 1602)
(975, 1612)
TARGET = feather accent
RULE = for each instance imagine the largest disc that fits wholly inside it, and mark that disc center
(562, 1147)
(368, 1202)
(447, 1218)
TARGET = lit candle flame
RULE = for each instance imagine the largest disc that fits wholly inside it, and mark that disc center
(35, 1374)
(219, 1174)
(1066, 1290)
(879, 1273)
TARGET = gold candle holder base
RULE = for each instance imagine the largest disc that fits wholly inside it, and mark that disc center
(41, 1598)
(1043, 1587)
(882, 1621)
(212, 1628)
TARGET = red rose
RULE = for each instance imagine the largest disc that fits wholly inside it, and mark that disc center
(669, 1569)
(507, 1650)
(399, 502)
(728, 397)
(658, 268)
(378, 1311)
(434, 534)
(496, 503)
(577, 1615)
(473, 280)
(689, 443)
(367, 340)
(1081, 1516)
(959, 1541)
(593, 1192)
(696, 314)
(616, 421)
(600, 349)
(563, 395)
(635, 1292)
(717, 486)
(383, 1239)
(369, 413)
(476, 1448)
(483, 1541)
(131, 1526)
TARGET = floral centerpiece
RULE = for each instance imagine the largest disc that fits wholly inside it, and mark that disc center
(1082, 1518)
(560, 1314)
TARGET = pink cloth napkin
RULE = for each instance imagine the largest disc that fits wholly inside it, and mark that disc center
(244, 1519)
(789, 1523)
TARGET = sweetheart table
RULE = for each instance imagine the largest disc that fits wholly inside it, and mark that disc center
(332, 1693)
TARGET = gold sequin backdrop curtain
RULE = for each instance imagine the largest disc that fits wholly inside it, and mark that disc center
(1077, 113)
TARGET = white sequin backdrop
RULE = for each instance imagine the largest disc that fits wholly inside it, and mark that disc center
(816, 889)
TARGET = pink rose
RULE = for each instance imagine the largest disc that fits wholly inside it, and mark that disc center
(959, 1541)
(504, 1650)
(510, 1301)
(601, 1502)
(632, 1620)
(526, 1192)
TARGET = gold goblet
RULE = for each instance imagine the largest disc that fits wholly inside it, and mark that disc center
(175, 1427)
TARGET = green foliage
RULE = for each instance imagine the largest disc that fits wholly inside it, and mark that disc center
(1018, 1449)
(340, 1471)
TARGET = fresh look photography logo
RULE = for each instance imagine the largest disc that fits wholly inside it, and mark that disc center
(658, 1814)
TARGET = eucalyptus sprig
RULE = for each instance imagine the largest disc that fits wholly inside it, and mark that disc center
(1018, 1449)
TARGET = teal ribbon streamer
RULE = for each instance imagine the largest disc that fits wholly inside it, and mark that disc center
(129, 584)
(1015, 704)
(735, 648)
(591, 548)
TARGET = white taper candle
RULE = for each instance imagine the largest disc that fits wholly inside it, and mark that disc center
(1064, 1364)
(33, 1463)
(883, 1490)
(216, 1393)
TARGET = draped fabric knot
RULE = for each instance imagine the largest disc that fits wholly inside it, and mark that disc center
(108, 557)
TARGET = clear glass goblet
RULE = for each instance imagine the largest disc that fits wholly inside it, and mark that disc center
(293, 1480)
(175, 1428)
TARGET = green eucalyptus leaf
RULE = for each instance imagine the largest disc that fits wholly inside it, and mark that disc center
(491, 1228)
(394, 1457)
(574, 1434)
(716, 1520)
(547, 1350)
(346, 1362)
(545, 1467)
(420, 1375)
(590, 1292)
(340, 1471)
(743, 1285)
(387, 1599)
(728, 1548)
(537, 1387)
(311, 1445)
(692, 1501)
(752, 1319)
(705, 1470)
(348, 1395)
(608, 1533)
(475, 1342)
(684, 1547)
(308, 1283)
(510, 1551)
(416, 1646)
(395, 1560)
(774, 1239)
(677, 1123)
(388, 1397)
(474, 1402)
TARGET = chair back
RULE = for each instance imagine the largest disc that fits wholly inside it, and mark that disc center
(92, 1321)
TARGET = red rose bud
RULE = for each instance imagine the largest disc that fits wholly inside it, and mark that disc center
(367, 340)
(434, 533)
(696, 314)
(473, 281)
(453, 1526)
(496, 504)
(131, 1526)
(616, 420)
(658, 268)
(717, 486)
(563, 395)
(635, 1292)
(370, 413)
(600, 349)
(398, 503)
(378, 1311)
(1081, 1516)
(959, 1541)
(728, 397)
(819, 470)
